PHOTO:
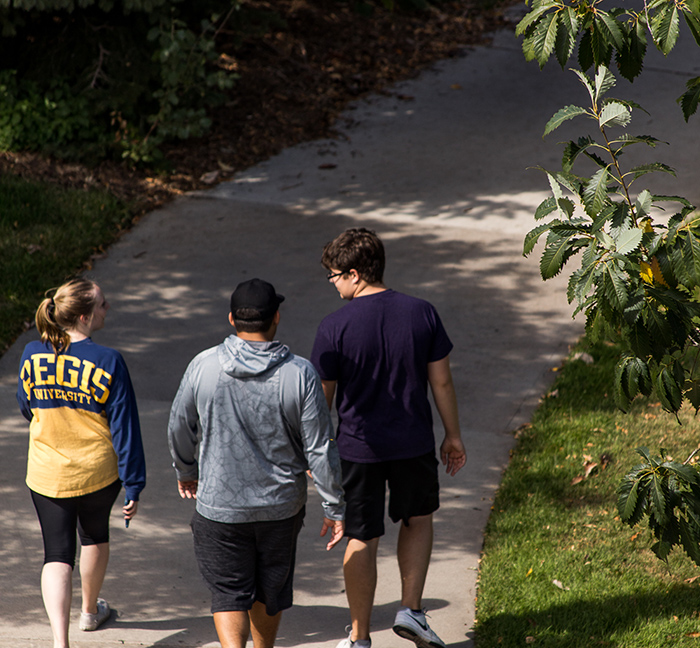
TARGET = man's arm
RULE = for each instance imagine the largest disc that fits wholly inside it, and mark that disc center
(321, 453)
(182, 435)
(328, 387)
(452, 452)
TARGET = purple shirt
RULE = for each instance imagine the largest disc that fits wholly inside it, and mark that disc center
(377, 348)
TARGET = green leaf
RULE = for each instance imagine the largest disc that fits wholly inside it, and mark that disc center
(643, 204)
(544, 37)
(690, 542)
(693, 22)
(601, 47)
(554, 256)
(586, 83)
(625, 139)
(563, 115)
(668, 391)
(690, 98)
(531, 18)
(545, 208)
(654, 167)
(610, 28)
(691, 256)
(664, 28)
(657, 499)
(566, 35)
(627, 501)
(616, 286)
(628, 240)
(614, 114)
(596, 192)
(604, 80)
(533, 236)
(630, 59)
(585, 52)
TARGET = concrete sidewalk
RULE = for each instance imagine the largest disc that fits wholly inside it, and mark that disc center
(439, 168)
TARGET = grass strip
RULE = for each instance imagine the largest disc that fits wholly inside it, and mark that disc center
(559, 569)
(47, 235)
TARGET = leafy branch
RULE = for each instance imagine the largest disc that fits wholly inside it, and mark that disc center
(553, 27)
(668, 493)
(639, 279)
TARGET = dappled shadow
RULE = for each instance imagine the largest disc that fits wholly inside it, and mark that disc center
(169, 282)
(580, 623)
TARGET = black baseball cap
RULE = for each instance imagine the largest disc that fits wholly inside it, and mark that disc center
(256, 296)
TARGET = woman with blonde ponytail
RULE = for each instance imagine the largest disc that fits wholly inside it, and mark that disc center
(84, 443)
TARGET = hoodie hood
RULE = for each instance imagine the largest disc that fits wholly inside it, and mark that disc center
(240, 359)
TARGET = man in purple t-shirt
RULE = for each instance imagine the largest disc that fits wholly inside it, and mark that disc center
(376, 356)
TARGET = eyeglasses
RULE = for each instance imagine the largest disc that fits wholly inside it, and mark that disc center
(332, 275)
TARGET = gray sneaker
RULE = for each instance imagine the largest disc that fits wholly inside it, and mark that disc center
(412, 625)
(89, 622)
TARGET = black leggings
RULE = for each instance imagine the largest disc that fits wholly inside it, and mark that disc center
(59, 517)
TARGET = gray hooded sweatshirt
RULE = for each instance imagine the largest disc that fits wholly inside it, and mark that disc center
(248, 421)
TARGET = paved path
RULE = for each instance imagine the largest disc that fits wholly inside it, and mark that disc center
(439, 168)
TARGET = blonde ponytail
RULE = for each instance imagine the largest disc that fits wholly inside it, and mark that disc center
(60, 311)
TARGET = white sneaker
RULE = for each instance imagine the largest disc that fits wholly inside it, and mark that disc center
(412, 625)
(349, 643)
(90, 622)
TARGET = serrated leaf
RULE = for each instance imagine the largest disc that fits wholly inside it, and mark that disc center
(596, 192)
(607, 25)
(693, 22)
(627, 499)
(616, 287)
(630, 59)
(601, 47)
(566, 35)
(563, 115)
(654, 167)
(604, 80)
(546, 207)
(643, 204)
(668, 391)
(657, 499)
(690, 98)
(691, 256)
(555, 254)
(585, 52)
(531, 18)
(690, 543)
(544, 37)
(664, 28)
(614, 114)
(628, 240)
(583, 77)
(533, 236)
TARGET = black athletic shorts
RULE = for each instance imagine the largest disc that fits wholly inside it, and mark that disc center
(248, 562)
(413, 490)
(59, 517)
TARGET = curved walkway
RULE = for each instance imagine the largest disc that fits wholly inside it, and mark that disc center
(438, 166)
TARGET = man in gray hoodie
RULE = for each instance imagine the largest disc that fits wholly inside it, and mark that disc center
(248, 421)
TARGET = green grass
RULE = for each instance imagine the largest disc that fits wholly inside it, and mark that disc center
(548, 525)
(47, 235)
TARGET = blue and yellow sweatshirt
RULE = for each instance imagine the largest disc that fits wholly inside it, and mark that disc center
(84, 430)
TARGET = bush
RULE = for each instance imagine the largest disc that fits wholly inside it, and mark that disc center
(98, 78)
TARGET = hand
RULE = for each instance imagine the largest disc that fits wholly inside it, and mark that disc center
(130, 509)
(337, 530)
(453, 455)
(187, 489)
